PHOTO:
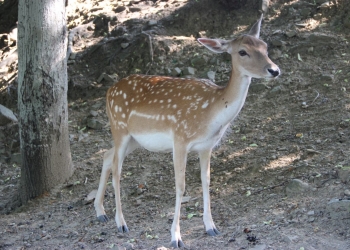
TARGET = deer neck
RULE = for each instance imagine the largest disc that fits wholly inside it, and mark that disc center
(232, 97)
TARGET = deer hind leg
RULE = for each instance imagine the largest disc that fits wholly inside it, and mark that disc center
(204, 158)
(106, 170)
(108, 162)
(126, 146)
(180, 157)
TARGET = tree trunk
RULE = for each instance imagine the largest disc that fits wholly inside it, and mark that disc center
(42, 96)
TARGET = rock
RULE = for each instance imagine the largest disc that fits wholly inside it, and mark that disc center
(128, 246)
(152, 22)
(176, 72)
(344, 174)
(325, 5)
(326, 78)
(202, 34)
(94, 124)
(296, 187)
(186, 199)
(124, 45)
(6, 116)
(72, 56)
(316, 38)
(93, 113)
(189, 71)
(120, 9)
(338, 209)
(311, 213)
(134, 9)
(277, 43)
(211, 75)
(162, 248)
(318, 16)
(347, 192)
(258, 247)
(291, 33)
(108, 78)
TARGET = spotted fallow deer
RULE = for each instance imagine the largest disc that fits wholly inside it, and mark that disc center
(163, 114)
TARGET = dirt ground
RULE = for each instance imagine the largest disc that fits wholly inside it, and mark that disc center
(279, 178)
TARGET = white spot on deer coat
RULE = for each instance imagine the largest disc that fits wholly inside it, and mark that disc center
(205, 104)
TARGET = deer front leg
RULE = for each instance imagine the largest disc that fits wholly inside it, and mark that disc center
(180, 156)
(106, 170)
(204, 158)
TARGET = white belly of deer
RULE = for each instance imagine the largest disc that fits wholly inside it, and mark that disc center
(155, 142)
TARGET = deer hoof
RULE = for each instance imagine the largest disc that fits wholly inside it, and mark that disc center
(177, 244)
(123, 229)
(102, 218)
(213, 232)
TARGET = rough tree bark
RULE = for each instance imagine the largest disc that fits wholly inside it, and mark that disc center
(42, 96)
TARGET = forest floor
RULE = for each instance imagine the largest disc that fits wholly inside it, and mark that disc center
(279, 179)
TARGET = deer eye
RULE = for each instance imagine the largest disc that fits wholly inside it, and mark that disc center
(242, 53)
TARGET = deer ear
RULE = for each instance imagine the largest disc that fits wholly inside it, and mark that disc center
(215, 45)
(255, 30)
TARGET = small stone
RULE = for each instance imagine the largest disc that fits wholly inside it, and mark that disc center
(139, 191)
(162, 248)
(296, 187)
(347, 192)
(258, 247)
(152, 22)
(318, 16)
(202, 34)
(100, 78)
(189, 71)
(211, 75)
(120, 9)
(291, 33)
(93, 113)
(327, 78)
(186, 199)
(72, 56)
(176, 72)
(128, 246)
(134, 9)
(311, 213)
(338, 209)
(124, 45)
(277, 43)
(311, 219)
(94, 124)
(344, 174)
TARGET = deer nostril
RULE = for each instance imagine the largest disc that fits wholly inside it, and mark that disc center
(274, 72)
